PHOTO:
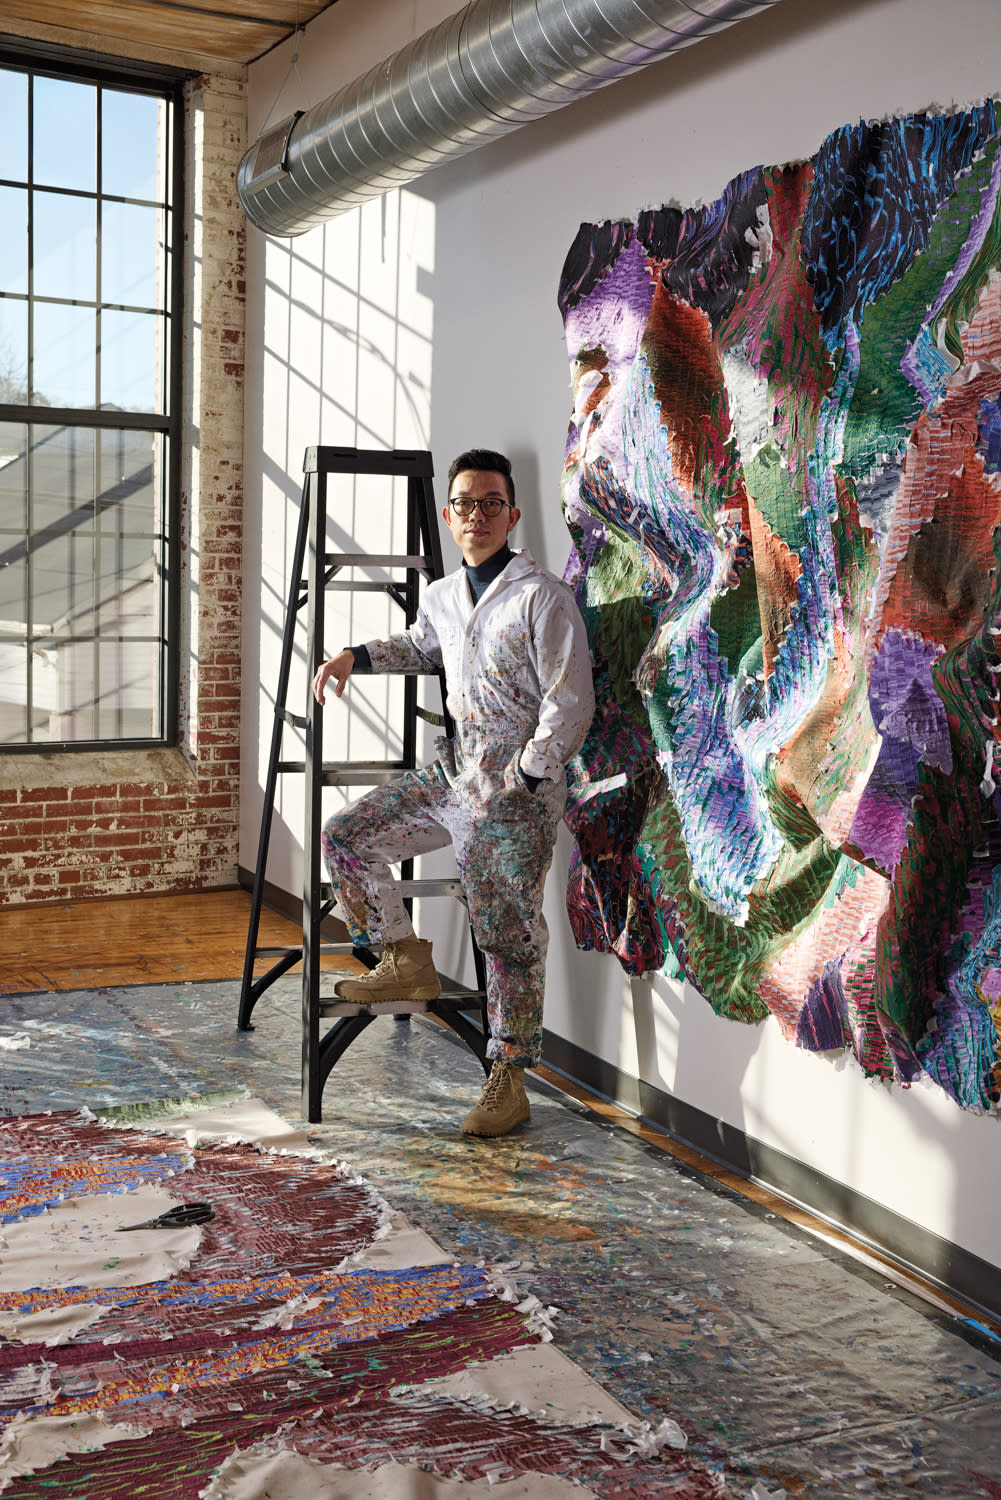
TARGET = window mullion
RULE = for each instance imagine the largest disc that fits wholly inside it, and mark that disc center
(81, 488)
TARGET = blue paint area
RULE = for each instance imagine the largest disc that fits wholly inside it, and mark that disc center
(859, 237)
(48, 1184)
(989, 435)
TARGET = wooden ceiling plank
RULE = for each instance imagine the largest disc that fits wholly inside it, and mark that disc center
(195, 12)
(126, 48)
(287, 13)
(196, 33)
(122, 19)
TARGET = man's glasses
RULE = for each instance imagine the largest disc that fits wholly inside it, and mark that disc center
(464, 506)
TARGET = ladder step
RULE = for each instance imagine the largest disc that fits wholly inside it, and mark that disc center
(359, 778)
(449, 999)
(443, 885)
(351, 773)
(406, 463)
(437, 887)
(345, 586)
(297, 721)
(376, 560)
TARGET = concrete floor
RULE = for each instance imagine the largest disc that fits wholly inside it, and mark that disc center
(788, 1364)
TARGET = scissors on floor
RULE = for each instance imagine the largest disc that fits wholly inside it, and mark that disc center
(179, 1217)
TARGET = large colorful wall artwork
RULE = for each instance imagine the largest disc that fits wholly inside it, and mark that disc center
(783, 485)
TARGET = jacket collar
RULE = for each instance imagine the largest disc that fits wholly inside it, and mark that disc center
(520, 565)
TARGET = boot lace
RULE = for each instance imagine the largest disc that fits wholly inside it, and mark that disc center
(386, 964)
(496, 1084)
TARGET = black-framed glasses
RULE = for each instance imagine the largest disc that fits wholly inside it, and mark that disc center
(464, 506)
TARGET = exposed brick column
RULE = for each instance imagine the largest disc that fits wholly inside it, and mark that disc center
(213, 479)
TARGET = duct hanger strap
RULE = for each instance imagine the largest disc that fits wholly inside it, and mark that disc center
(482, 73)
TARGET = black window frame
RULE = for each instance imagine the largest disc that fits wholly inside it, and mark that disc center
(159, 81)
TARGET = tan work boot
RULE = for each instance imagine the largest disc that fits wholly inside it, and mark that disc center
(404, 972)
(503, 1105)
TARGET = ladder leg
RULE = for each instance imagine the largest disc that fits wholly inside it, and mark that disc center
(312, 901)
(481, 984)
(337, 1041)
(250, 992)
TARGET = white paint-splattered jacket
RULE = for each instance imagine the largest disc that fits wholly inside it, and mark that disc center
(517, 667)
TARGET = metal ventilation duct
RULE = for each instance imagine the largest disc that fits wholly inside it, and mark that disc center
(494, 66)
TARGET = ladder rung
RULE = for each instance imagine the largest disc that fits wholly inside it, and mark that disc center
(360, 778)
(296, 721)
(344, 586)
(350, 773)
(375, 560)
(366, 765)
(441, 886)
(458, 998)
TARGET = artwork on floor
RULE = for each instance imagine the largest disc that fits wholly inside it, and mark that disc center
(783, 485)
(296, 1337)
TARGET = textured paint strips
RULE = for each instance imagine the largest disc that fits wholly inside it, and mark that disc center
(783, 485)
(264, 1345)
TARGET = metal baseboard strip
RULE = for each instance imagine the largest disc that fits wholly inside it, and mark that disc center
(945, 1266)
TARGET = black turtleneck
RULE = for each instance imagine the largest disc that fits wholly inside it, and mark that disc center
(481, 575)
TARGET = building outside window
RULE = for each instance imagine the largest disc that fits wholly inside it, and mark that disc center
(90, 194)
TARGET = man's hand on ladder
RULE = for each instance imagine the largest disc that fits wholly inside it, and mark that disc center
(338, 669)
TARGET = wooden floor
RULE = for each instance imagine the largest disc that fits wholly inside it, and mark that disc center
(146, 940)
(170, 939)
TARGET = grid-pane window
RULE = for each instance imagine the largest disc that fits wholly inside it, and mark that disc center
(88, 391)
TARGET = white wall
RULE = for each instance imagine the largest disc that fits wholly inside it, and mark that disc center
(481, 269)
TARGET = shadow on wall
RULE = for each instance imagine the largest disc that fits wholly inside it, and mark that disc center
(525, 466)
(348, 320)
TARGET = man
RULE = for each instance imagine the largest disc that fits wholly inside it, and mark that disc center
(519, 689)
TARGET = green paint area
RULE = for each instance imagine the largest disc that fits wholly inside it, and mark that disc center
(777, 492)
(735, 619)
(725, 961)
(620, 618)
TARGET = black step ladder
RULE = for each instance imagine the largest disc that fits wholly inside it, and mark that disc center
(314, 573)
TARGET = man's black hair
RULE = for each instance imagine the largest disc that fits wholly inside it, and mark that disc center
(482, 458)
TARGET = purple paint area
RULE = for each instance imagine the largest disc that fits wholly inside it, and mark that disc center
(989, 435)
(960, 1051)
(903, 699)
(615, 315)
(826, 1025)
(606, 331)
(823, 1024)
(907, 1066)
(879, 830)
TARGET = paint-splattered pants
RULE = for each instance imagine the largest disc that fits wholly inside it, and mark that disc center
(503, 837)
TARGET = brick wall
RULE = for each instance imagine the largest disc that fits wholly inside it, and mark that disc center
(126, 822)
(108, 838)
